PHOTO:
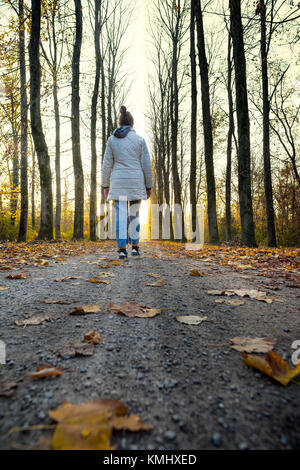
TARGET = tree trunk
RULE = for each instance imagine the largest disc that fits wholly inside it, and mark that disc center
(193, 164)
(93, 194)
(174, 131)
(15, 162)
(229, 142)
(33, 189)
(244, 177)
(46, 224)
(77, 163)
(207, 129)
(266, 129)
(24, 128)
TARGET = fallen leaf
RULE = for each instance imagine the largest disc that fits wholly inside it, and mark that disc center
(153, 275)
(7, 389)
(42, 262)
(245, 344)
(67, 278)
(102, 405)
(273, 365)
(133, 309)
(77, 349)
(216, 292)
(92, 337)
(34, 320)
(85, 309)
(195, 272)
(158, 283)
(264, 298)
(244, 266)
(89, 426)
(22, 275)
(3, 288)
(235, 302)
(129, 423)
(106, 274)
(46, 371)
(97, 280)
(191, 319)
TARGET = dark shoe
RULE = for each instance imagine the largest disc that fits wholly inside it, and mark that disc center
(122, 253)
(135, 251)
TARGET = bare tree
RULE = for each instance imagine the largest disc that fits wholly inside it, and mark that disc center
(75, 126)
(245, 197)
(207, 128)
(24, 127)
(46, 224)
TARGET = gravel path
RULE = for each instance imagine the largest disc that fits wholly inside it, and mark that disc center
(183, 379)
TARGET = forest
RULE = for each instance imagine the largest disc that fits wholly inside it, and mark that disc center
(183, 343)
(221, 113)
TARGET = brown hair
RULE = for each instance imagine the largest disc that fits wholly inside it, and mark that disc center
(125, 118)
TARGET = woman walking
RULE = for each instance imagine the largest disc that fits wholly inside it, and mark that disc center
(127, 179)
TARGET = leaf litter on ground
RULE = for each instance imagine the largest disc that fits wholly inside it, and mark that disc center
(272, 365)
(45, 371)
(89, 426)
(259, 345)
(133, 309)
(190, 319)
(85, 309)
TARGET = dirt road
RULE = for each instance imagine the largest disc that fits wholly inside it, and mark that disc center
(183, 379)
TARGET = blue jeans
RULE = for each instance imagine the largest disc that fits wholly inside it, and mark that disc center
(127, 225)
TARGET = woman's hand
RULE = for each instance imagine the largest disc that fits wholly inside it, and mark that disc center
(106, 191)
(148, 191)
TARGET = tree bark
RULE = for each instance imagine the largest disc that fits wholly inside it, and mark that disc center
(75, 120)
(24, 128)
(244, 155)
(266, 129)
(207, 129)
(93, 194)
(46, 223)
(15, 164)
(193, 163)
(229, 142)
(33, 189)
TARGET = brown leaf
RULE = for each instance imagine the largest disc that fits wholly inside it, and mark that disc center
(34, 320)
(7, 389)
(245, 344)
(21, 275)
(77, 349)
(133, 309)
(235, 302)
(66, 278)
(273, 365)
(97, 280)
(195, 272)
(153, 275)
(91, 408)
(46, 371)
(3, 288)
(215, 292)
(92, 337)
(89, 425)
(42, 262)
(158, 283)
(128, 423)
(85, 309)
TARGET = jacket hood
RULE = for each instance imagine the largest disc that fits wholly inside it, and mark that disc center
(122, 131)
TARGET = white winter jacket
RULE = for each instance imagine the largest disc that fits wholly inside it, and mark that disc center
(126, 168)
